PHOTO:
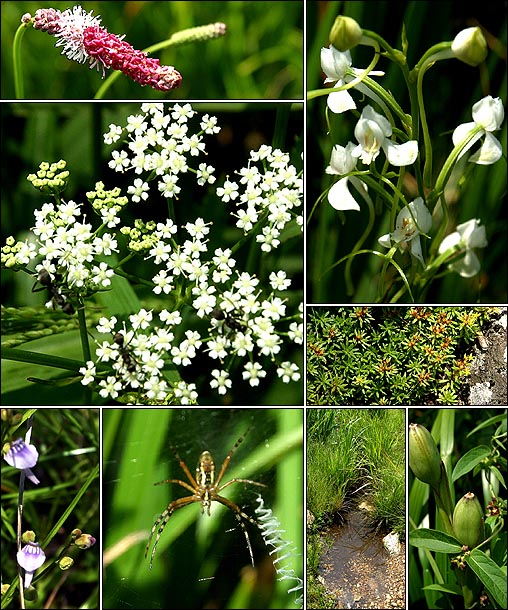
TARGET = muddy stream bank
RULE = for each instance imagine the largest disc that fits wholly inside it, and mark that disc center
(357, 569)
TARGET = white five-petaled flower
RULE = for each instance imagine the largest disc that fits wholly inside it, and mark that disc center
(488, 114)
(468, 235)
(334, 64)
(372, 132)
(411, 221)
(341, 163)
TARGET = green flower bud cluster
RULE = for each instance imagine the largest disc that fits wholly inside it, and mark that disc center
(199, 33)
(51, 178)
(103, 199)
(424, 458)
(141, 237)
(468, 521)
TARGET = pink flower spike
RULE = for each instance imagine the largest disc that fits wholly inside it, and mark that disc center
(83, 39)
(112, 52)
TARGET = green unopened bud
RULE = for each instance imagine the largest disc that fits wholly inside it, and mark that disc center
(424, 458)
(470, 46)
(28, 536)
(468, 523)
(85, 541)
(345, 33)
(65, 563)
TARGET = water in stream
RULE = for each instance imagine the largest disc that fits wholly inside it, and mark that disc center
(355, 567)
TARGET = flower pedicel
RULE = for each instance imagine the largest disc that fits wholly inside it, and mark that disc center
(83, 39)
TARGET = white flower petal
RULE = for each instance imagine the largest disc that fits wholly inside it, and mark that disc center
(449, 242)
(490, 151)
(461, 132)
(341, 160)
(416, 249)
(422, 215)
(340, 198)
(371, 115)
(472, 234)
(340, 101)
(488, 113)
(385, 240)
(401, 154)
(334, 63)
(467, 266)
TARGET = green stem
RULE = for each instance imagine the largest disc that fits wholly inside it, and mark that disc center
(19, 89)
(427, 168)
(442, 226)
(443, 498)
(363, 237)
(470, 587)
(446, 170)
(83, 333)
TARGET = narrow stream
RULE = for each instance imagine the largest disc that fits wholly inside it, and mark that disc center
(356, 564)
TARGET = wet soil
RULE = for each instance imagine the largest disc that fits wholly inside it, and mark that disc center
(358, 571)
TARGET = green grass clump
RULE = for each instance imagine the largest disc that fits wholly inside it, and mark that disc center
(390, 355)
(359, 452)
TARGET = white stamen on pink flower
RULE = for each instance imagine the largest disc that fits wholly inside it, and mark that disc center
(83, 39)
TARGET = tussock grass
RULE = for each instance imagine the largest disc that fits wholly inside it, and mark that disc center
(352, 453)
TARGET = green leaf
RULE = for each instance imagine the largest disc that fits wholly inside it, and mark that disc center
(447, 588)
(491, 575)
(121, 300)
(497, 473)
(434, 540)
(469, 460)
(489, 422)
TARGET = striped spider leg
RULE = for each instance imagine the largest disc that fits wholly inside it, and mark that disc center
(204, 489)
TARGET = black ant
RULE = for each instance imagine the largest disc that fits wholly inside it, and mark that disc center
(232, 319)
(128, 359)
(56, 297)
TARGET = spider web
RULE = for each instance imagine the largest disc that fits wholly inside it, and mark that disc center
(200, 561)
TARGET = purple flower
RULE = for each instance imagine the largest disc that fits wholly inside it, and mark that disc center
(23, 457)
(30, 558)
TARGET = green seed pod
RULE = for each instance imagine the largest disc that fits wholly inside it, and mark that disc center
(424, 458)
(468, 522)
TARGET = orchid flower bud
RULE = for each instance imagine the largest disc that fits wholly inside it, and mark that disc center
(468, 522)
(345, 33)
(470, 46)
(424, 458)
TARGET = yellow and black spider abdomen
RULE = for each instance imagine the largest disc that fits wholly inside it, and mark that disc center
(205, 471)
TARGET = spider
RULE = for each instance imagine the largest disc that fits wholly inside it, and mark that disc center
(205, 489)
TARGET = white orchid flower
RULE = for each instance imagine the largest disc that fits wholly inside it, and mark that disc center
(372, 132)
(342, 162)
(488, 114)
(468, 235)
(334, 64)
(411, 221)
